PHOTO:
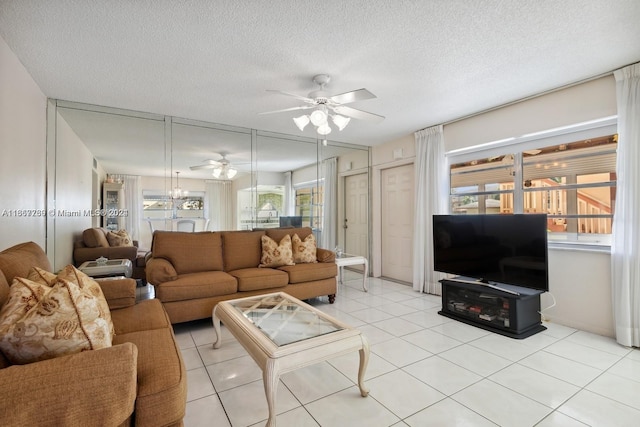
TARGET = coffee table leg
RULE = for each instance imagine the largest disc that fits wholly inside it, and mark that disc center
(271, 377)
(216, 326)
(364, 361)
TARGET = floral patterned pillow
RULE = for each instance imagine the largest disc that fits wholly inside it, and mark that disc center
(119, 238)
(304, 251)
(40, 322)
(274, 254)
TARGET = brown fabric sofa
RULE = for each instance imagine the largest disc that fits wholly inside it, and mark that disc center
(192, 272)
(140, 380)
(94, 244)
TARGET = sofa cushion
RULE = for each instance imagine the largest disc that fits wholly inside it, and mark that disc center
(197, 285)
(300, 273)
(276, 254)
(119, 238)
(95, 238)
(242, 249)
(143, 316)
(304, 251)
(189, 252)
(39, 322)
(162, 383)
(252, 279)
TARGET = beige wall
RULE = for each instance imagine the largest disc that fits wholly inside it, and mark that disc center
(580, 103)
(23, 161)
(579, 280)
(73, 192)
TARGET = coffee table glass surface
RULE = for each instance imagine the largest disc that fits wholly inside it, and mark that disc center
(282, 333)
(282, 320)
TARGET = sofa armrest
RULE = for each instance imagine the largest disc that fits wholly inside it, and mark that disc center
(159, 270)
(93, 387)
(325, 255)
(119, 293)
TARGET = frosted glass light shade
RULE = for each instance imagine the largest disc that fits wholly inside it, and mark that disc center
(301, 122)
(324, 129)
(340, 121)
(318, 118)
(231, 173)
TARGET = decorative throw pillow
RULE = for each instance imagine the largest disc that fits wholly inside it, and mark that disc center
(72, 274)
(119, 238)
(304, 251)
(44, 277)
(274, 254)
(39, 322)
(86, 283)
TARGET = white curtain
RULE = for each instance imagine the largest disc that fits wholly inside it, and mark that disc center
(431, 198)
(289, 195)
(133, 203)
(218, 205)
(330, 216)
(625, 247)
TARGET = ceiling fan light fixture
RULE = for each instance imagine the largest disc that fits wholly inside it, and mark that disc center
(224, 172)
(324, 129)
(318, 118)
(340, 121)
(301, 121)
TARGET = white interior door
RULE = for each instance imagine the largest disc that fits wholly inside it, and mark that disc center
(397, 222)
(356, 225)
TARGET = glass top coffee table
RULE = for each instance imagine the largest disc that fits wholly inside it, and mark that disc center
(282, 333)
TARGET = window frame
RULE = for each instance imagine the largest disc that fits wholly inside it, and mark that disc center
(517, 145)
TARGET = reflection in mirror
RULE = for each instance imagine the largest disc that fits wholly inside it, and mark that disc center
(221, 177)
(93, 146)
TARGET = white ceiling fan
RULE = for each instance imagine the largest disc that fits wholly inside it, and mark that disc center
(222, 168)
(327, 106)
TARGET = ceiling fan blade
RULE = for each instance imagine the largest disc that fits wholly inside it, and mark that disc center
(353, 96)
(302, 98)
(357, 114)
(209, 166)
(304, 107)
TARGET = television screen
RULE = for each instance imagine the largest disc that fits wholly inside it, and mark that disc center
(509, 249)
(291, 221)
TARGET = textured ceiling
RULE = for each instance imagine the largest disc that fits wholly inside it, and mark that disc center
(428, 62)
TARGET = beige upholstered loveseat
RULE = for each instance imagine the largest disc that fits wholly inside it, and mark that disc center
(192, 272)
(139, 380)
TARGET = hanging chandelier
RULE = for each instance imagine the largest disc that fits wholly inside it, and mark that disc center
(177, 192)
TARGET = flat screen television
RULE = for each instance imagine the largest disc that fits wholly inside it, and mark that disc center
(493, 249)
(291, 221)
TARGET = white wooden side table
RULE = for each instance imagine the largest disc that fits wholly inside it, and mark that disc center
(348, 259)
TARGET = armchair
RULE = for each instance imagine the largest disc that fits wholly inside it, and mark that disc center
(94, 244)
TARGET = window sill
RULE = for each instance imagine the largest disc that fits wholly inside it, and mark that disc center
(579, 247)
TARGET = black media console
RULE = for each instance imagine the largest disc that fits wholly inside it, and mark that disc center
(508, 310)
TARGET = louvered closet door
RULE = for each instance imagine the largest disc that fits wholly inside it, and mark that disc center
(397, 222)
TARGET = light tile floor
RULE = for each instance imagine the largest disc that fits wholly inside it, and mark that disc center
(424, 370)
